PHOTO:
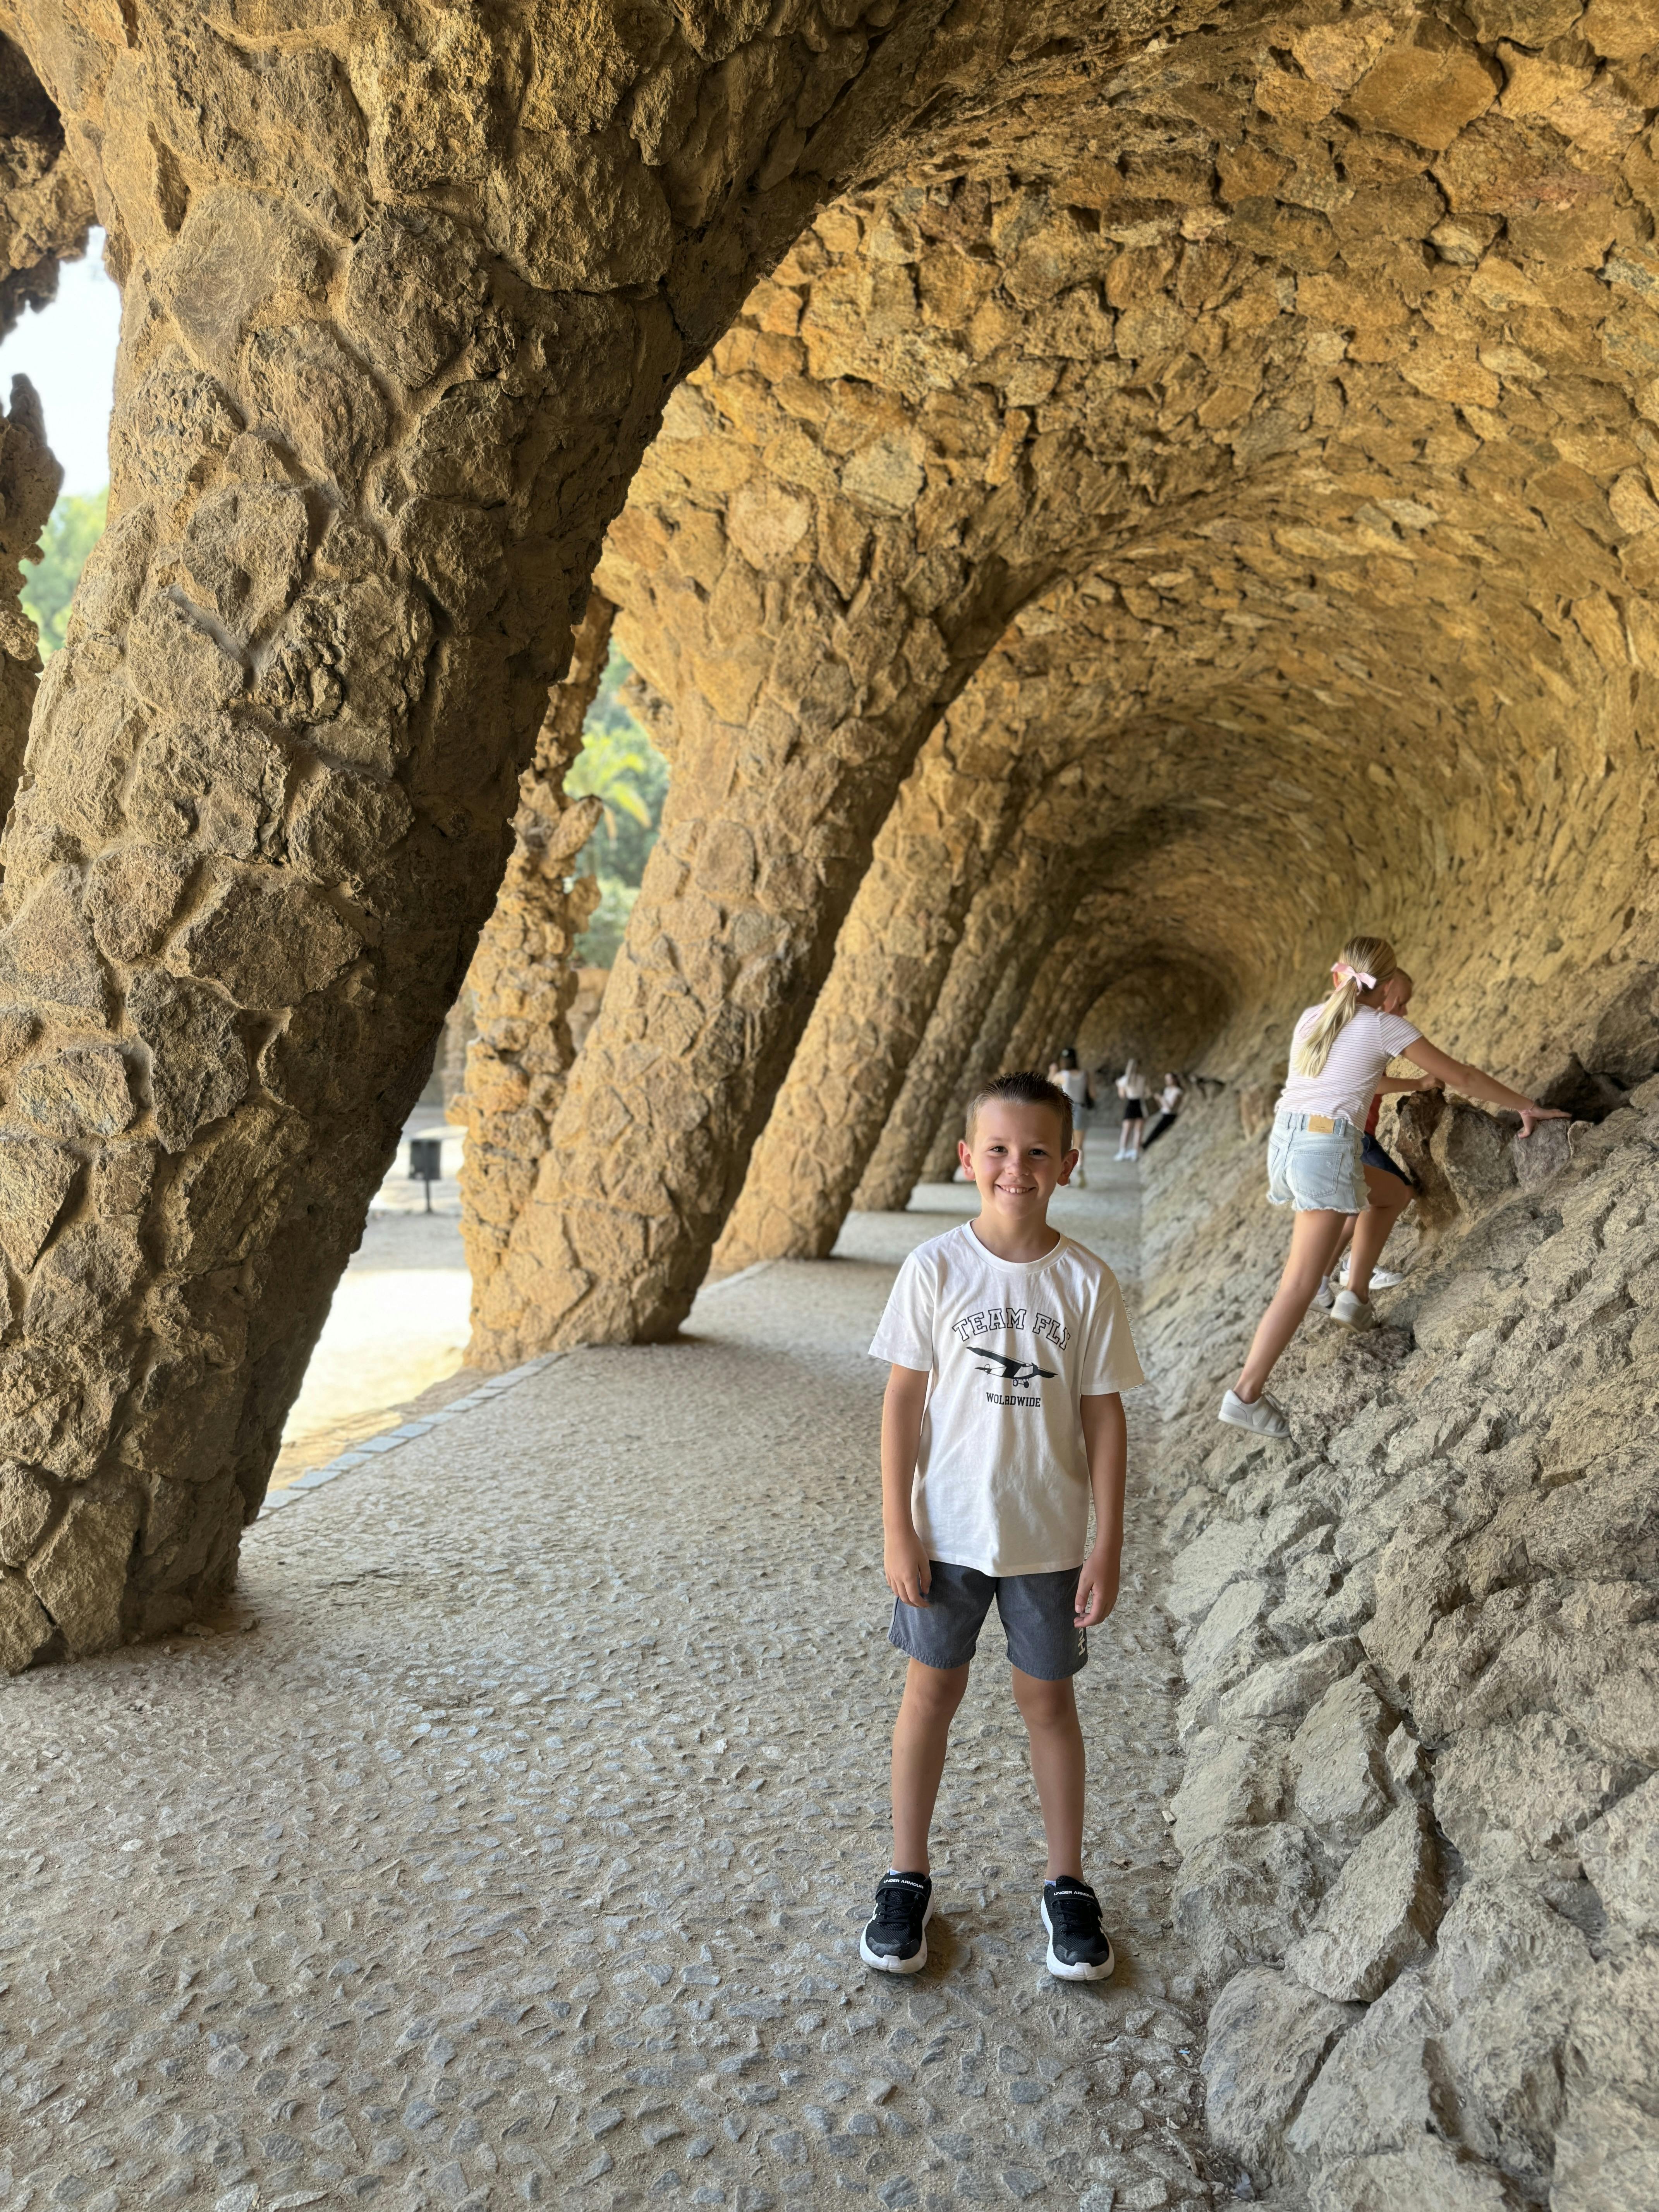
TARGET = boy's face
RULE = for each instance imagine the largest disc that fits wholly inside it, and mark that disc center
(1013, 1154)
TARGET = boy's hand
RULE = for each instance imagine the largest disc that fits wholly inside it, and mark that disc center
(1096, 1587)
(904, 1563)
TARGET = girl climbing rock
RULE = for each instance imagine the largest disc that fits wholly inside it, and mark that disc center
(1339, 1051)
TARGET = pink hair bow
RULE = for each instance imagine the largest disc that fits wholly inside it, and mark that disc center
(1342, 974)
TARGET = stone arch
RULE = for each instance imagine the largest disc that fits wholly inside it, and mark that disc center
(401, 308)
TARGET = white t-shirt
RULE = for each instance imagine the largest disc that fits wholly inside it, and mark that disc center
(1075, 1084)
(1002, 1476)
(1347, 1082)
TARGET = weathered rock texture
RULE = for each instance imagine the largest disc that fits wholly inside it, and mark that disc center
(45, 206)
(29, 478)
(1421, 1644)
(522, 981)
(1005, 937)
(1315, 354)
(404, 295)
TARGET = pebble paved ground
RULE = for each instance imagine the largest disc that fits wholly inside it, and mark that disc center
(511, 1842)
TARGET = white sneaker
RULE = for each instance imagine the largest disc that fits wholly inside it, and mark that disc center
(1324, 1294)
(1382, 1279)
(1079, 1180)
(1351, 1311)
(1266, 1417)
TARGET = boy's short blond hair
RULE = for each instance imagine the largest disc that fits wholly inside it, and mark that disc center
(1024, 1087)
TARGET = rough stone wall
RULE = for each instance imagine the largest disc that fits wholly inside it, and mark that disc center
(404, 295)
(1164, 1012)
(1420, 1811)
(522, 983)
(891, 957)
(1329, 335)
(45, 205)
(1001, 942)
(29, 478)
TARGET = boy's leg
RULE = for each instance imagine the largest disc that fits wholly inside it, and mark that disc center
(1049, 1712)
(921, 1735)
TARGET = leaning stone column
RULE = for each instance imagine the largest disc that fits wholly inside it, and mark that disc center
(890, 960)
(991, 943)
(399, 320)
(522, 977)
(983, 1004)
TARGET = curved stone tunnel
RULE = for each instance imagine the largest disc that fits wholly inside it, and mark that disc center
(1104, 501)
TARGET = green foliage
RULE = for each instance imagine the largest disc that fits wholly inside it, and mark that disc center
(73, 528)
(601, 942)
(620, 766)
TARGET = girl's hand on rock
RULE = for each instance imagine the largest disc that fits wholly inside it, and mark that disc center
(1532, 1116)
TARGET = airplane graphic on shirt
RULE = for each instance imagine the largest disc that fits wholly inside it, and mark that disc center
(1013, 1370)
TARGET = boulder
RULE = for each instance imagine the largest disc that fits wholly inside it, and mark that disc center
(1379, 1916)
(1498, 1929)
(1606, 2155)
(1504, 2052)
(1339, 1757)
(1429, 2176)
(1621, 1856)
(1523, 1788)
(1231, 1781)
(1242, 1899)
(1381, 2088)
(1282, 1690)
(1225, 1628)
(1267, 2039)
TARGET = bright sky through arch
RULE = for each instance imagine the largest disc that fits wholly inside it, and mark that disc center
(67, 350)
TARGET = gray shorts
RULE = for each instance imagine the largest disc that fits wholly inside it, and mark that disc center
(1039, 1619)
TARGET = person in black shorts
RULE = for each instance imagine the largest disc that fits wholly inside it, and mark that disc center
(1132, 1089)
(1389, 1188)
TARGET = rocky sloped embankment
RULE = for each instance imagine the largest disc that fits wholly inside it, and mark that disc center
(1419, 1820)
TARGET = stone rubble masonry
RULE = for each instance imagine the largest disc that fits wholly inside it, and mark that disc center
(1000, 940)
(45, 206)
(522, 981)
(1301, 354)
(1032, 933)
(989, 778)
(29, 481)
(1417, 1818)
(402, 305)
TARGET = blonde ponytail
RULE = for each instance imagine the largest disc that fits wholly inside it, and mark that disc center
(1371, 956)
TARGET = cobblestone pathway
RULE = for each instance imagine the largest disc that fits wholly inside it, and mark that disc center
(517, 1851)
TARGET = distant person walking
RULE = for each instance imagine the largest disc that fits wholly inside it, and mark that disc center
(1066, 1075)
(1132, 1090)
(1339, 1051)
(1169, 1106)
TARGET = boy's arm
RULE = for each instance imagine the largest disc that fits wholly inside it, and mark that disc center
(1106, 1439)
(904, 1556)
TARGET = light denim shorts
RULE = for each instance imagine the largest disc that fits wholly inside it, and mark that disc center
(1315, 1171)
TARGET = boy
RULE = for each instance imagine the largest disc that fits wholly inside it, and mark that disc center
(1009, 1347)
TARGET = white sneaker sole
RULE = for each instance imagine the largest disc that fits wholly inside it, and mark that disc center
(897, 1966)
(1361, 1322)
(1254, 1428)
(1062, 1972)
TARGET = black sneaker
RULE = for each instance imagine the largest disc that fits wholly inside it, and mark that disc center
(1079, 1949)
(895, 1939)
